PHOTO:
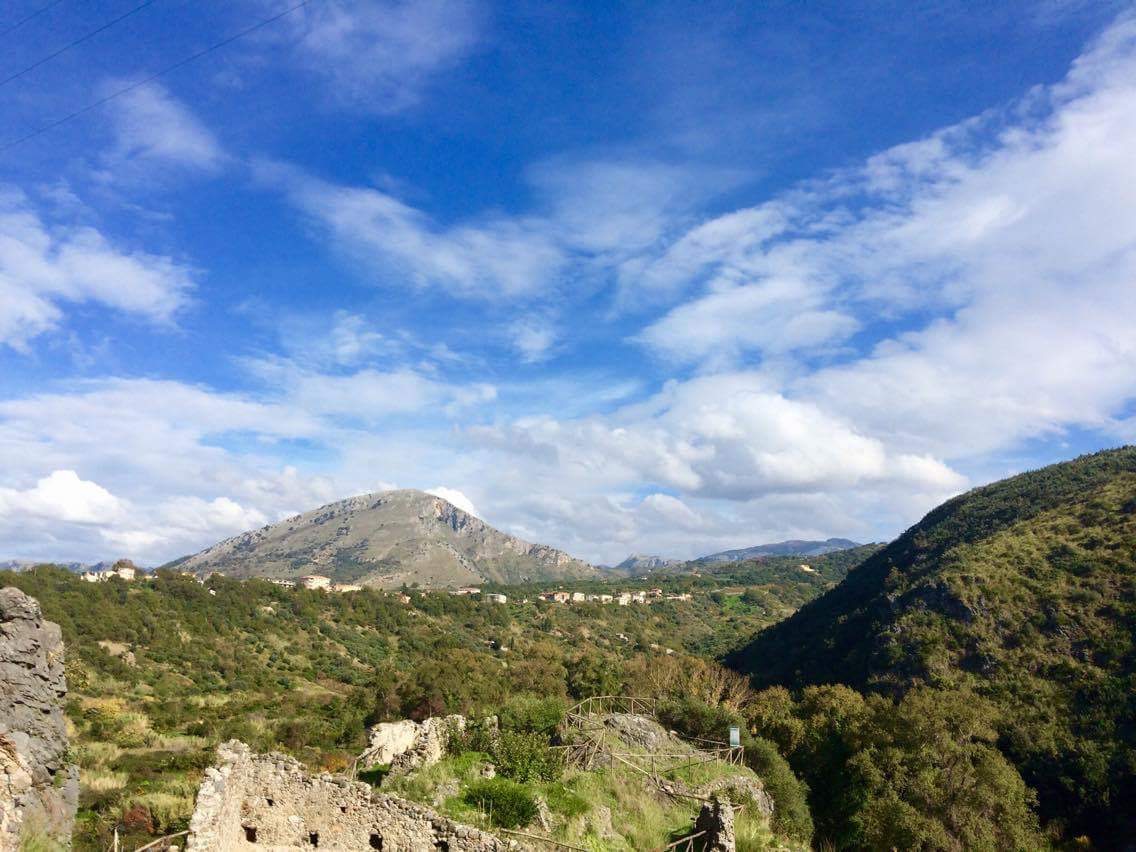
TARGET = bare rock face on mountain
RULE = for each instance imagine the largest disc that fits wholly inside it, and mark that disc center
(38, 790)
(639, 563)
(387, 540)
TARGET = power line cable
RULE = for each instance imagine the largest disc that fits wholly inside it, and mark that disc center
(27, 18)
(127, 89)
(77, 42)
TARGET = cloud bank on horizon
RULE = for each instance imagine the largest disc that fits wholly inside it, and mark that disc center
(713, 297)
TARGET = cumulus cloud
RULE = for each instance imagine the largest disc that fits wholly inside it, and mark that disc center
(727, 436)
(63, 496)
(45, 266)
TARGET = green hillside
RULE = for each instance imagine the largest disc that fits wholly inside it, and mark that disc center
(1019, 597)
(160, 671)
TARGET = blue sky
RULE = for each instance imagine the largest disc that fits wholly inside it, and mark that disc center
(653, 277)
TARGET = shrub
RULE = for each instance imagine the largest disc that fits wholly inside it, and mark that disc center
(506, 803)
(532, 714)
(526, 757)
(475, 737)
(695, 718)
(791, 816)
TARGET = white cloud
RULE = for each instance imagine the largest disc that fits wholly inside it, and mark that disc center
(593, 216)
(152, 125)
(728, 436)
(43, 267)
(493, 258)
(63, 496)
(455, 497)
(774, 317)
(994, 263)
(533, 338)
(381, 55)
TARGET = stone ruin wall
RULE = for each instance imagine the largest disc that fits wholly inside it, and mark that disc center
(269, 802)
(39, 790)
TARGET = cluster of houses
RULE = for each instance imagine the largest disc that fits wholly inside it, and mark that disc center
(643, 596)
(124, 569)
(318, 581)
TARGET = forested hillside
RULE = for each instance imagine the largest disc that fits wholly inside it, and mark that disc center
(1008, 615)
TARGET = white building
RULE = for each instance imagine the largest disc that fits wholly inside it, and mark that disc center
(123, 569)
(315, 581)
(579, 597)
(624, 598)
(493, 597)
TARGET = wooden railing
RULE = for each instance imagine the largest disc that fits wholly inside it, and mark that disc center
(602, 705)
(152, 843)
(683, 844)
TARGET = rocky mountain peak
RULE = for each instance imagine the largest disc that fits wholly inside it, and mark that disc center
(387, 539)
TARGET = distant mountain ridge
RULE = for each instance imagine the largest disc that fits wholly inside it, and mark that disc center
(792, 547)
(638, 563)
(387, 539)
(76, 567)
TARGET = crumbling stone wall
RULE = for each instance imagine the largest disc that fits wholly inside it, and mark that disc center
(250, 802)
(39, 791)
(409, 745)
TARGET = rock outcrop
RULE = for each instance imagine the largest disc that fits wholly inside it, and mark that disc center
(39, 790)
(408, 745)
(716, 819)
(250, 801)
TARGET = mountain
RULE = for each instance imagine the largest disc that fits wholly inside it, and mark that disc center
(793, 547)
(1022, 593)
(26, 564)
(639, 563)
(387, 539)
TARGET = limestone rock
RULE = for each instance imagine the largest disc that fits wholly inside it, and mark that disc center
(409, 745)
(38, 789)
(716, 818)
(742, 789)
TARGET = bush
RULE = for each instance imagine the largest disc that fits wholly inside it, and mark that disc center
(506, 803)
(531, 714)
(526, 757)
(695, 718)
(791, 816)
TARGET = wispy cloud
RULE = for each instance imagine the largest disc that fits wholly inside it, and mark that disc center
(44, 267)
(151, 125)
(381, 55)
(991, 262)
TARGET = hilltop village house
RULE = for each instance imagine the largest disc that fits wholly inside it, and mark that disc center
(642, 596)
(123, 569)
(316, 581)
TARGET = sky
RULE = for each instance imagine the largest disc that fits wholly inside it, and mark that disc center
(655, 277)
